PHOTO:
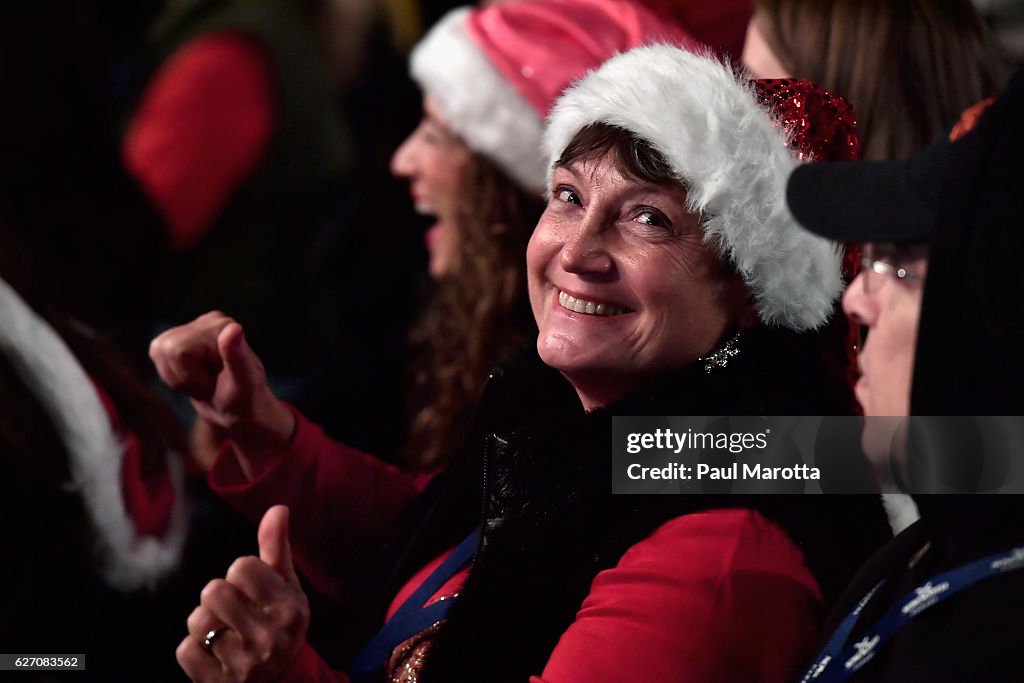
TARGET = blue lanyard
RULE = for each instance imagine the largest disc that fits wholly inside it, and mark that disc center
(412, 617)
(837, 661)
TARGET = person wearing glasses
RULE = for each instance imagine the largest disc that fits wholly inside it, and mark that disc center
(940, 299)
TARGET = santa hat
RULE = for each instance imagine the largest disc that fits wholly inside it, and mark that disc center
(127, 560)
(495, 72)
(729, 142)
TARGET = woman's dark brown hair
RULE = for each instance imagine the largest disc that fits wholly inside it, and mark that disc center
(475, 317)
(635, 156)
(909, 67)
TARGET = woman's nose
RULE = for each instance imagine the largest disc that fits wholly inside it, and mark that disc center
(856, 303)
(586, 250)
(403, 160)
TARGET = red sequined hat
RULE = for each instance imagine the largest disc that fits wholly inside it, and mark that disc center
(823, 126)
(732, 143)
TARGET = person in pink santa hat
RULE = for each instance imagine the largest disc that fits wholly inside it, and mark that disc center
(489, 78)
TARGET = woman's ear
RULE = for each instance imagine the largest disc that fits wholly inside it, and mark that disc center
(743, 300)
(748, 316)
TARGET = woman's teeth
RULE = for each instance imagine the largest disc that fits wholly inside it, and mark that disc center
(588, 307)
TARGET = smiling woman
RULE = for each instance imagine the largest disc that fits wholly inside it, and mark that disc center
(623, 286)
(679, 228)
(665, 235)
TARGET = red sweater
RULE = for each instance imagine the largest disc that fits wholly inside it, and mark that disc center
(715, 596)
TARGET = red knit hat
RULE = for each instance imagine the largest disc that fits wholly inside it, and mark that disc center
(495, 72)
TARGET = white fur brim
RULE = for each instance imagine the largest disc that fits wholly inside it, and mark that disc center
(732, 158)
(478, 103)
(51, 372)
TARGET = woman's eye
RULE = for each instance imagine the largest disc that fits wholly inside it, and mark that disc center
(567, 195)
(652, 218)
(431, 136)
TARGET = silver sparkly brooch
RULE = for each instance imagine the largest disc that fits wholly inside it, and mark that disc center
(720, 357)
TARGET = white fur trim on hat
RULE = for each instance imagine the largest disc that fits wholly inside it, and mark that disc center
(43, 361)
(478, 103)
(733, 159)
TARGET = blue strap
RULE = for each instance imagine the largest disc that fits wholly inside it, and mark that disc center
(837, 661)
(412, 617)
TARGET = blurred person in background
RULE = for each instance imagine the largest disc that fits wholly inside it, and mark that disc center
(96, 531)
(941, 298)
(1005, 19)
(476, 132)
(249, 130)
(908, 67)
(93, 498)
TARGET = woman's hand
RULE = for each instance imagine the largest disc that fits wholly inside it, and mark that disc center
(259, 611)
(209, 360)
(205, 442)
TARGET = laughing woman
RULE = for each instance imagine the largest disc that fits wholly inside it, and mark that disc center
(666, 278)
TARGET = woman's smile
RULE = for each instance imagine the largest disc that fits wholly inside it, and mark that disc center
(588, 306)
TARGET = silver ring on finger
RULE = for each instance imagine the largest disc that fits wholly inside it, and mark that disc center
(211, 638)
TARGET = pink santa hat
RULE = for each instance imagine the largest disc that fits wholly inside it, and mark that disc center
(495, 72)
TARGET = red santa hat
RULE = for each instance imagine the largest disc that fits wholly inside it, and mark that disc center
(732, 143)
(495, 72)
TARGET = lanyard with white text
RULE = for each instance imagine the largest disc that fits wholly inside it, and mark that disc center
(837, 662)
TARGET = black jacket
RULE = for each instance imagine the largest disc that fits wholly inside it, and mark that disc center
(974, 635)
(538, 474)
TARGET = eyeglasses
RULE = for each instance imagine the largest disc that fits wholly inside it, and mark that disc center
(875, 272)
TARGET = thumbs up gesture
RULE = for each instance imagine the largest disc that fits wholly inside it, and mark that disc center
(251, 625)
(210, 361)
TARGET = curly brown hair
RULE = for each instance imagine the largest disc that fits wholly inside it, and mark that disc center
(475, 317)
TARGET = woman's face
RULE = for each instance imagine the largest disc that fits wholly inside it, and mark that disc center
(758, 57)
(432, 159)
(621, 284)
(890, 309)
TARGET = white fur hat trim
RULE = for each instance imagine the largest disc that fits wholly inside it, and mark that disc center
(478, 103)
(732, 158)
(43, 361)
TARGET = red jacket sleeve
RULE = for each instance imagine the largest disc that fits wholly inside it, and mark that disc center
(716, 596)
(344, 504)
(202, 125)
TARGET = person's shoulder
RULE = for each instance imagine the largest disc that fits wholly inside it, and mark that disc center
(722, 541)
(694, 596)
